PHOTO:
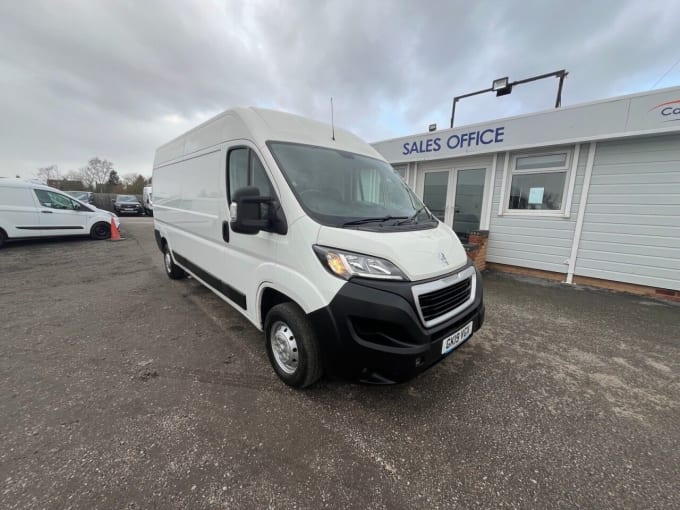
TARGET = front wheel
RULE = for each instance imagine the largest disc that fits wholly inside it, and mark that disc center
(292, 346)
(3, 238)
(173, 271)
(100, 231)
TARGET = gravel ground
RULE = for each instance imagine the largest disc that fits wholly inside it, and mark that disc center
(122, 389)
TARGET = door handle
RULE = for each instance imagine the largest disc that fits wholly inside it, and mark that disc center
(46, 212)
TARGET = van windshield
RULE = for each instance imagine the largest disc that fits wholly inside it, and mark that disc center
(343, 189)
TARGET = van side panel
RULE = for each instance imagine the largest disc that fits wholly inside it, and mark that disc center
(191, 210)
(188, 202)
(19, 215)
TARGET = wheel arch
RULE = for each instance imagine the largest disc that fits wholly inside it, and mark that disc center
(269, 298)
(270, 295)
(287, 283)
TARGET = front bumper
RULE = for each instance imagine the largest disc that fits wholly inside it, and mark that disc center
(372, 332)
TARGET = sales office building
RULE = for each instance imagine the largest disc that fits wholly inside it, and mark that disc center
(588, 193)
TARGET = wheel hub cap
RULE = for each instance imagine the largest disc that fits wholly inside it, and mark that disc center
(168, 262)
(284, 347)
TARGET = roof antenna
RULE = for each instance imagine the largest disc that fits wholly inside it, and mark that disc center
(332, 121)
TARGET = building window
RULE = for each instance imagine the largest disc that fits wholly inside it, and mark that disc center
(538, 182)
(401, 171)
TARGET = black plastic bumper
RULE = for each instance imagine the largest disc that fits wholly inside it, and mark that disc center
(372, 332)
(159, 239)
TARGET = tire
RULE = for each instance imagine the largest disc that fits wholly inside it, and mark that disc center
(3, 238)
(292, 346)
(173, 271)
(100, 231)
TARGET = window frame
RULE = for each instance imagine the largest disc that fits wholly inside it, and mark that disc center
(249, 178)
(567, 169)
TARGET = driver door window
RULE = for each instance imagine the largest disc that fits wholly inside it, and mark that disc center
(54, 200)
(245, 169)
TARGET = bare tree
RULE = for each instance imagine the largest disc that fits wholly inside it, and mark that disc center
(97, 172)
(48, 172)
(137, 185)
(75, 175)
(87, 177)
(128, 179)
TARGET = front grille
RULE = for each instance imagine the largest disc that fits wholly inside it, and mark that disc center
(440, 302)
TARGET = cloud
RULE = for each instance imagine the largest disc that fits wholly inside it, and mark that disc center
(117, 79)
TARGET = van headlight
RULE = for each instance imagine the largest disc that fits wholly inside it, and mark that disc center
(346, 264)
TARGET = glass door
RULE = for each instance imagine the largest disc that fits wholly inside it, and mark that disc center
(467, 204)
(435, 193)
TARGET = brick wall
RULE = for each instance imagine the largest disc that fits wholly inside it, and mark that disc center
(476, 247)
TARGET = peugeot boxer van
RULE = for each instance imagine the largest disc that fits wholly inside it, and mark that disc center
(30, 210)
(311, 235)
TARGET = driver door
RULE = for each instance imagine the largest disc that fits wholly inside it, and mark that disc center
(248, 257)
(60, 215)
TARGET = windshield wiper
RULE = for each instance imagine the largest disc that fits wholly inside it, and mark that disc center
(381, 219)
(412, 218)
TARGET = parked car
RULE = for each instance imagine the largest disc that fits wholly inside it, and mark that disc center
(87, 197)
(318, 242)
(30, 210)
(147, 200)
(127, 204)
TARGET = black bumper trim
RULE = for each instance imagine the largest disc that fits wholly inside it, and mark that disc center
(375, 335)
(159, 238)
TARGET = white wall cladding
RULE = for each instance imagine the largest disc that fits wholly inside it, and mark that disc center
(537, 242)
(631, 228)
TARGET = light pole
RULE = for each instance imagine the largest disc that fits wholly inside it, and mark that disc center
(503, 87)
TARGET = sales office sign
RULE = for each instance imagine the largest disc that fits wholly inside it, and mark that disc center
(668, 111)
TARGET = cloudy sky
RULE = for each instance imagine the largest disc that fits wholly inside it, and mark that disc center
(116, 79)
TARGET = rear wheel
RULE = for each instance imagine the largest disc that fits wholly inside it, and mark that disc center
(3, 238)
(171, 269)
(292, 346)
(100, 231)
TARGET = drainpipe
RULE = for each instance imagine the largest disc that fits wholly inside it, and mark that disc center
(581, 213)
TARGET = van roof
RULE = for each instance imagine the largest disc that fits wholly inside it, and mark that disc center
(261, 125)
(23, 183)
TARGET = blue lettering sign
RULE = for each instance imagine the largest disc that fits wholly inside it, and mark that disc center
(469, 139)
(453, 142)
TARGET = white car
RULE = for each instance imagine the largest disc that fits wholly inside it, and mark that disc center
(315, 239)
(30, 210)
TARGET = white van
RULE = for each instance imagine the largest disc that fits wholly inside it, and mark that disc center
(314, 238)
(29, 210)
(147, 200)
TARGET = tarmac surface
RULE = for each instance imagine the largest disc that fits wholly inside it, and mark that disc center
(120, 388)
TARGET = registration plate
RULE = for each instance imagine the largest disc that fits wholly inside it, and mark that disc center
(453, 341)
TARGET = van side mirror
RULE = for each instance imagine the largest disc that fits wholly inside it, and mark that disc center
(246, 211)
